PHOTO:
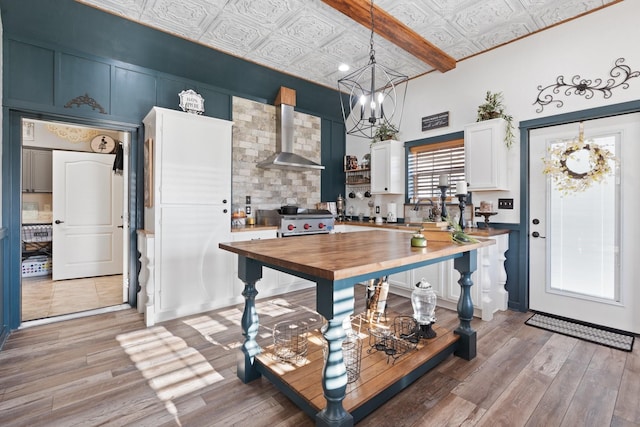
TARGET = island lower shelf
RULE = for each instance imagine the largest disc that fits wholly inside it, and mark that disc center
(380, 375)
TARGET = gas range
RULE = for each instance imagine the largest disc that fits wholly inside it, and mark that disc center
(306, 221)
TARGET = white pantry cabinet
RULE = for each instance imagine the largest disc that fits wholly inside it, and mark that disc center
(188, 176)
(387, 167)
(485, 155)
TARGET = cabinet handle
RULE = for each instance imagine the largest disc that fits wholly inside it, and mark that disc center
(224, 201)
(58, 221)
(224, 211)
(536, 234)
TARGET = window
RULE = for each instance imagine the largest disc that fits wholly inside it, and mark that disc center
(427, 162)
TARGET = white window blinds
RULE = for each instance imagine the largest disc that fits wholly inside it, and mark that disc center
(428, 162)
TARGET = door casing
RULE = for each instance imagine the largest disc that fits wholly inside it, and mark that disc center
(11, 202)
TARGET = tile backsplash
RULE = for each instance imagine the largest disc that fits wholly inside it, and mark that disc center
(254, 139)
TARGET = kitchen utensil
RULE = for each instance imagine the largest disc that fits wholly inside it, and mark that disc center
(288, 210)
(352, 195)
(367, 194)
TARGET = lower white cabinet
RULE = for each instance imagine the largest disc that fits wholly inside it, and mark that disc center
(273, 282)
(488, 292)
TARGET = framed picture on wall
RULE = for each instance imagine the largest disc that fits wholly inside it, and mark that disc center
(28, 131)
(148, 173)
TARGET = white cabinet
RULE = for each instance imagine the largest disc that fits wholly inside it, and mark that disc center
(273, 282)
(36, 171)
(485, 155)
(488, 292)
(387, 167)
(269, 276)
(190, 216)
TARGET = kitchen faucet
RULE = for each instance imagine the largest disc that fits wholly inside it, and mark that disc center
(416, 207)
(418, 200)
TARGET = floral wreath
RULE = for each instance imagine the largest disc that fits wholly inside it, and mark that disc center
(568, 180)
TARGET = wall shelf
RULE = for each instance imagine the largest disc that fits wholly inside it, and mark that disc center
(361, 176)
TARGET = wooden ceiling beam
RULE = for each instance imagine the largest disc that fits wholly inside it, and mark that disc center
(395, 31)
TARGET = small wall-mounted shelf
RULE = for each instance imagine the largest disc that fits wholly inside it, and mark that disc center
(361, 176)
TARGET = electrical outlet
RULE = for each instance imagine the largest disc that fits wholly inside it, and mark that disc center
(247, 200)
(505, 203)
(377, 209)
(247, 210)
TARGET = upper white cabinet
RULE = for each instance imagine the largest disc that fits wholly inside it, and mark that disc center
(387, 167)
(485, 155)
(36, 171)
(188, 173)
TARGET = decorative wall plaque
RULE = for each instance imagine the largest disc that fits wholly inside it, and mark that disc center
(191, 102)
(435, 121)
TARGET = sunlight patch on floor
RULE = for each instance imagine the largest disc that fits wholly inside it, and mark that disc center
(171, 367)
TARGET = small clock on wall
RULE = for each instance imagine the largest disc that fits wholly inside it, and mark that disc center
(103, 144)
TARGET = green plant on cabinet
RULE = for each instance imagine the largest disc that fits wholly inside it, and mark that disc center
(493, 108)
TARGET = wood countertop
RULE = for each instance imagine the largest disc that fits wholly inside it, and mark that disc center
(481, 232)
(344, 255)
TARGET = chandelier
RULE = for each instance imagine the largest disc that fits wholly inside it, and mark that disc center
(373, 97)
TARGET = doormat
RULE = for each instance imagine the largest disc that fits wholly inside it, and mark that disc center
(584, 331)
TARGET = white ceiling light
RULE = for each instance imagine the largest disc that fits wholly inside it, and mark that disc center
(375, 96)
(343, 67)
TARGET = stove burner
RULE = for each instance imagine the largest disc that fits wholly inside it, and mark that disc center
(311, 221)
(306, 221)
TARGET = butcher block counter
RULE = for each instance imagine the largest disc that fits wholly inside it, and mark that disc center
(336, 263)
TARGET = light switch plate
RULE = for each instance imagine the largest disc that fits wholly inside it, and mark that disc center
(247, 200)
(505, 203)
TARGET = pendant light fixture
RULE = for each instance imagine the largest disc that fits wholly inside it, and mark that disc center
(374, 96)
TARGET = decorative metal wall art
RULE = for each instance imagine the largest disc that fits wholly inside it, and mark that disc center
(620, 75)
(86, 100)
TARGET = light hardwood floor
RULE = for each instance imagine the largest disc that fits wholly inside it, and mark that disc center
(43, 297)
(111, 370)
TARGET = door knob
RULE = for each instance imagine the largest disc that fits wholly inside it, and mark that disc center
(536, 234)
(58, 221)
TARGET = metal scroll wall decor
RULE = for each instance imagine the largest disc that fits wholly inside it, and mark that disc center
(85, 100)
(620, 75)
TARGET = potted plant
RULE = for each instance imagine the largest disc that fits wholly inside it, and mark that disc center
(493, 108)
(385, 132)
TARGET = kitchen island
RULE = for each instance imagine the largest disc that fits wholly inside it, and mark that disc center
(336, 263)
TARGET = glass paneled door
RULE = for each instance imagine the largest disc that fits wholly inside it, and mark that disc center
(583, 254)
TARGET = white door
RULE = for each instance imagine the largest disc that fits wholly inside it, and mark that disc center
(584, 245)
(87, 215)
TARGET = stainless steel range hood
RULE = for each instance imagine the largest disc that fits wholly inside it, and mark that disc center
(284, 157)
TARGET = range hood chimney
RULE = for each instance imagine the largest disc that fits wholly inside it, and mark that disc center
(284, 157)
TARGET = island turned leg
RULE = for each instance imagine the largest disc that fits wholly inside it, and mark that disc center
(466, 265)
(334, 306)
(249, 271)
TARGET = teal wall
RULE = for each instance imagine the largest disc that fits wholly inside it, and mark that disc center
(57, 51)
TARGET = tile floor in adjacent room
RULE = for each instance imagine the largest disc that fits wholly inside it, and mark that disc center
(43, 297)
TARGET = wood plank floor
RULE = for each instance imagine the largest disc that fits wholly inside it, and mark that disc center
(111, 370)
